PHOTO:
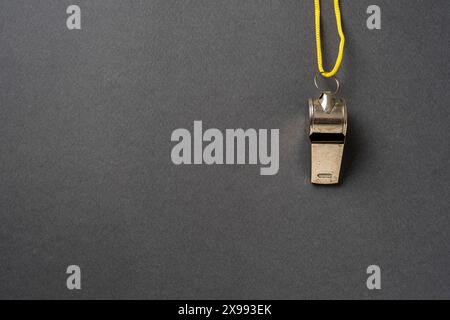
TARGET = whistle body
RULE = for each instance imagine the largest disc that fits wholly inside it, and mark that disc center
(327, 131)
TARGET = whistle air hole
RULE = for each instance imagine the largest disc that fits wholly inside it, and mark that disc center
(327, 137)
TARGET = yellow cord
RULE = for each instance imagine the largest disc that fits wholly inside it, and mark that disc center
(337, 12)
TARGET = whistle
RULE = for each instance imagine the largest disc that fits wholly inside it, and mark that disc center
(327, 131)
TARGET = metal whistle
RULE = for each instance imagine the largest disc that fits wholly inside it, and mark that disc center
(327, 130)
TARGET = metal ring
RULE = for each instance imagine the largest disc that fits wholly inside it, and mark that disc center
(327, 91)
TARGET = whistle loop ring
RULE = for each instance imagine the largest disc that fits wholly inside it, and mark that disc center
(338, 86)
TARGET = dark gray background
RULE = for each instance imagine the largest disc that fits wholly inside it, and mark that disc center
(86, 176)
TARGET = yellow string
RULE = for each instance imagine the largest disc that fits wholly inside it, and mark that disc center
(337, 13)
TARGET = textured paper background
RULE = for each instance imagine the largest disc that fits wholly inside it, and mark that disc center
(86, 176)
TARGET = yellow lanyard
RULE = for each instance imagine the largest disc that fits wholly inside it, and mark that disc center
(337, 13)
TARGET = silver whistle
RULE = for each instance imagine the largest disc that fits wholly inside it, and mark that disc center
(327, 131)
